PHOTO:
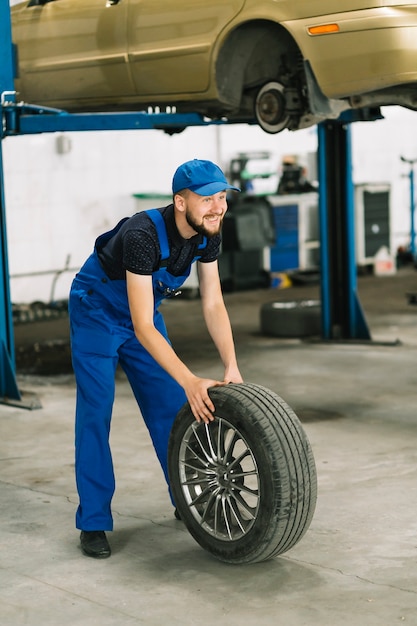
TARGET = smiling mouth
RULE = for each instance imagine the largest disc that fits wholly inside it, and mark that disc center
(213, 218)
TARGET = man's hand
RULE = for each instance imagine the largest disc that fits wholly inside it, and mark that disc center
(197, 395)
(232, 375)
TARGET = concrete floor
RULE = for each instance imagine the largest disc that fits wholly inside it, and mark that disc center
(356, 565)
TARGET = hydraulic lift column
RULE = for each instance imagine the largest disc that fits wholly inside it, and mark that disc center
(342, 316)
(8, 386)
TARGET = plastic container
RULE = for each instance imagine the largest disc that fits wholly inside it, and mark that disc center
(384, 263)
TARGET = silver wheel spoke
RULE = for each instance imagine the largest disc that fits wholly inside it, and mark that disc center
(226, 518)
(201, 497)
(244, 505)
(231, 444)
(197, 469)
(199, 441)
(213, 453)
(210, 503)
(219, 479)
(239, 459)
(236, 513)
(221, 431)
(196, 457)
(195, 481)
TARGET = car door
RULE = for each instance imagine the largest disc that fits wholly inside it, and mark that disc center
(72, 50)
(171, 43)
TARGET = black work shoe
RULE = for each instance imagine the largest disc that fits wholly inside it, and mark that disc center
(94, 543)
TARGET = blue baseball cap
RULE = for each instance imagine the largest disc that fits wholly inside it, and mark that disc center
(203, 177)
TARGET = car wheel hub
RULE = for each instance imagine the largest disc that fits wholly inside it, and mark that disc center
(219, 479)
(270, 108)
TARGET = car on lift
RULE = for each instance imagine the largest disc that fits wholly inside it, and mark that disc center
(279, 63)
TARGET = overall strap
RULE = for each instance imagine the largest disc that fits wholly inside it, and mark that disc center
(203, 244)
(161, 231)
(105, 237)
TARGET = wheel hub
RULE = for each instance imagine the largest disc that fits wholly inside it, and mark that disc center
(270, 107)
(220, 479)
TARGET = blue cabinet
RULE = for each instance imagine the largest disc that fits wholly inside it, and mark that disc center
(296, 232)
(284, 255)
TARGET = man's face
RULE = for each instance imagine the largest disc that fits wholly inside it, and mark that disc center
(205, 213)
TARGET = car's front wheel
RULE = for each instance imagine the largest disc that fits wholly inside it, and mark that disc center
(244, 485)
(270, 108)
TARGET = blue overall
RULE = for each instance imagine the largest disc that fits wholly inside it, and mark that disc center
(102, 337)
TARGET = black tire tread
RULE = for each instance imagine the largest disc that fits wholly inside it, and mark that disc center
(297, 452)
(299, 457)
(292, 469)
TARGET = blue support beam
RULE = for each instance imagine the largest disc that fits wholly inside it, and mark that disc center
(23, 119)
(412, 215)
(411, 163)
(6, 54)
(326, 317)
(342, 315)
(8, 387)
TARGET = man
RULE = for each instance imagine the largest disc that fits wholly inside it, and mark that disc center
(115, 320)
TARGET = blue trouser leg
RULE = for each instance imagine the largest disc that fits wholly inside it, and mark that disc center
(93, 460)
(95, 338)
(102, 337)
(158, 395)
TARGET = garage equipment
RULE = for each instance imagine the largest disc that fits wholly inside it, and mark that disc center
(341, 312)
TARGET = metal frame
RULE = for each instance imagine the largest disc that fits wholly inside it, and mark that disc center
(25, 119)
(342, 315)
(19, 118)
(8, 385)
(411, 163)
(341, 312)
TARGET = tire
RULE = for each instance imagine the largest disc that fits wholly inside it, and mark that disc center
(245, 485)
(291, 319)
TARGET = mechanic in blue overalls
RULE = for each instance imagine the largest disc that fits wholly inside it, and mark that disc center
(114, 319)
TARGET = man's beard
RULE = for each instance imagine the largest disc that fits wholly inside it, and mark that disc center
(200, 228)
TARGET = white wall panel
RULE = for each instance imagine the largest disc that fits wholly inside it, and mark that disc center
(58, 201)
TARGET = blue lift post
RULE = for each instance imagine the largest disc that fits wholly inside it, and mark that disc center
(8, 387)
(411, 163)
(342, 314)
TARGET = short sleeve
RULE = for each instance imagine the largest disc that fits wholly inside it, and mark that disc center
(140, 252)
(212, 250)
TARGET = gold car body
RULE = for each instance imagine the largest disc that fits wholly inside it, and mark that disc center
(212, 56)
